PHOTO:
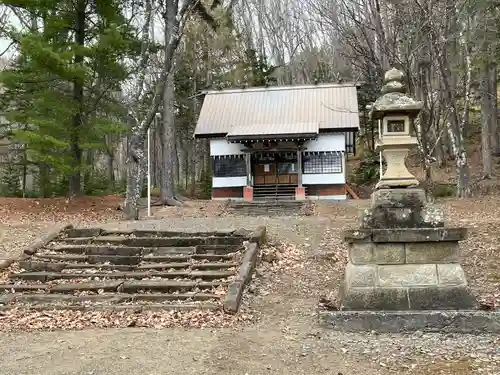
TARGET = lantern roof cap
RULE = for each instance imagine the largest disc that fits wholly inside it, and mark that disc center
(394, 99)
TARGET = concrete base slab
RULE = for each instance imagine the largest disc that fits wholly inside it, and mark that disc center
(466, 321)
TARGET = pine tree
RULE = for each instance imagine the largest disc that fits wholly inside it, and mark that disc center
(60, 91)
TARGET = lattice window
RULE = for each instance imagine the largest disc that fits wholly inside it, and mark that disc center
(287, 168)
(322, 162)
(229, 166)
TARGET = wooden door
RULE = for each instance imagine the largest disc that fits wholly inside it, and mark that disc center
(265, 174)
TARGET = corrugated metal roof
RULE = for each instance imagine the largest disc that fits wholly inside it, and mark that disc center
(274, 129)
(329, 106)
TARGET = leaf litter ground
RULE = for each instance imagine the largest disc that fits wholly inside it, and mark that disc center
(275, 332)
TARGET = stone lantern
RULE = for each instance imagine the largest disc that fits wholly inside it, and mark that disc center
(402, 257)
(396, 110)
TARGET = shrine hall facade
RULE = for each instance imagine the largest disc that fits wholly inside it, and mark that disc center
(288, 142)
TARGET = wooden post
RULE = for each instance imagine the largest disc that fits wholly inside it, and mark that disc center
(299, 168)
(248, 165)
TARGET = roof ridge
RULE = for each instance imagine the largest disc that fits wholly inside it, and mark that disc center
(281, 88)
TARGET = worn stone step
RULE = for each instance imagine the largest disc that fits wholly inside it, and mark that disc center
(76, 240)
(48, 276)
(218, 249)
(168, 286)
(163, 266)
(112, 259)
(106, 286)
(213, 257)
(155, 241)
(185, 258)
(98, 250)
(153, 233)
(61, 257)
(64, 298)
(196, 266)
(132, 308)
(105, 297)
(189, 250)
(82, 232)
(100, 266)
(22, 287)
(181, 241)
(42, 266)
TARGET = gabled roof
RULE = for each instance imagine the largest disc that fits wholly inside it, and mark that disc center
(267, 110)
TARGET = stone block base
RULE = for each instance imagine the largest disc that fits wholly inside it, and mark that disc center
(400, 253)
(405, 286)
(248, 193)
(407, 298)
(470, 322)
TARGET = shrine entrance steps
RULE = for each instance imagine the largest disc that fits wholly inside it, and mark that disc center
(274, 192)
(271, 208)
(95, 269)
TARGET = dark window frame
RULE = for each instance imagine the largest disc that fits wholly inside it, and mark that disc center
(229, 166)
(325, 162)
(282, 170)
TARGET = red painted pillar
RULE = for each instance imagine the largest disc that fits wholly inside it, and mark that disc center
(248, 193)
(300, 193)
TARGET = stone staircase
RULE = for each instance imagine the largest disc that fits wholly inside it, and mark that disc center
(92, 269)
(276, 192)
(270, 208)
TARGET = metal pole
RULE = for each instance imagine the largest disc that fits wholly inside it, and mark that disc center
(149, 173)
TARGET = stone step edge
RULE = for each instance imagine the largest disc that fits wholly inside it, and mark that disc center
(132, 308)
(95, 232)
(17, 297)
(436, 321)
(130, 260)
(136, 274)
(109, 250)
(127, 286)
(39, 266)
(131, 240)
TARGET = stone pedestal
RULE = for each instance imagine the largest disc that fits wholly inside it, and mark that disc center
(402, 257)
(395, 151)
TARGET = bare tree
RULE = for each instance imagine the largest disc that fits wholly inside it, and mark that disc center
(143, 117)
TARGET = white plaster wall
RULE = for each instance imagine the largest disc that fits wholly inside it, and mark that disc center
(218, 182)
(322, 179)
(326, 142)
(329, 143)
(223, 147)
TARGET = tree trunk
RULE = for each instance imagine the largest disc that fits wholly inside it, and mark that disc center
(192, 167)
(139, 131)
(169, 157)
(135, 173)
(494, 127)
(455, 125)
(486, 120)
(423, 123)
(74, 187)
(110, 168)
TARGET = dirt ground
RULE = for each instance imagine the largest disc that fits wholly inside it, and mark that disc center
(282, 336)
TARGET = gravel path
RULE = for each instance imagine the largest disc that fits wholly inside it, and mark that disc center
(285, 340)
